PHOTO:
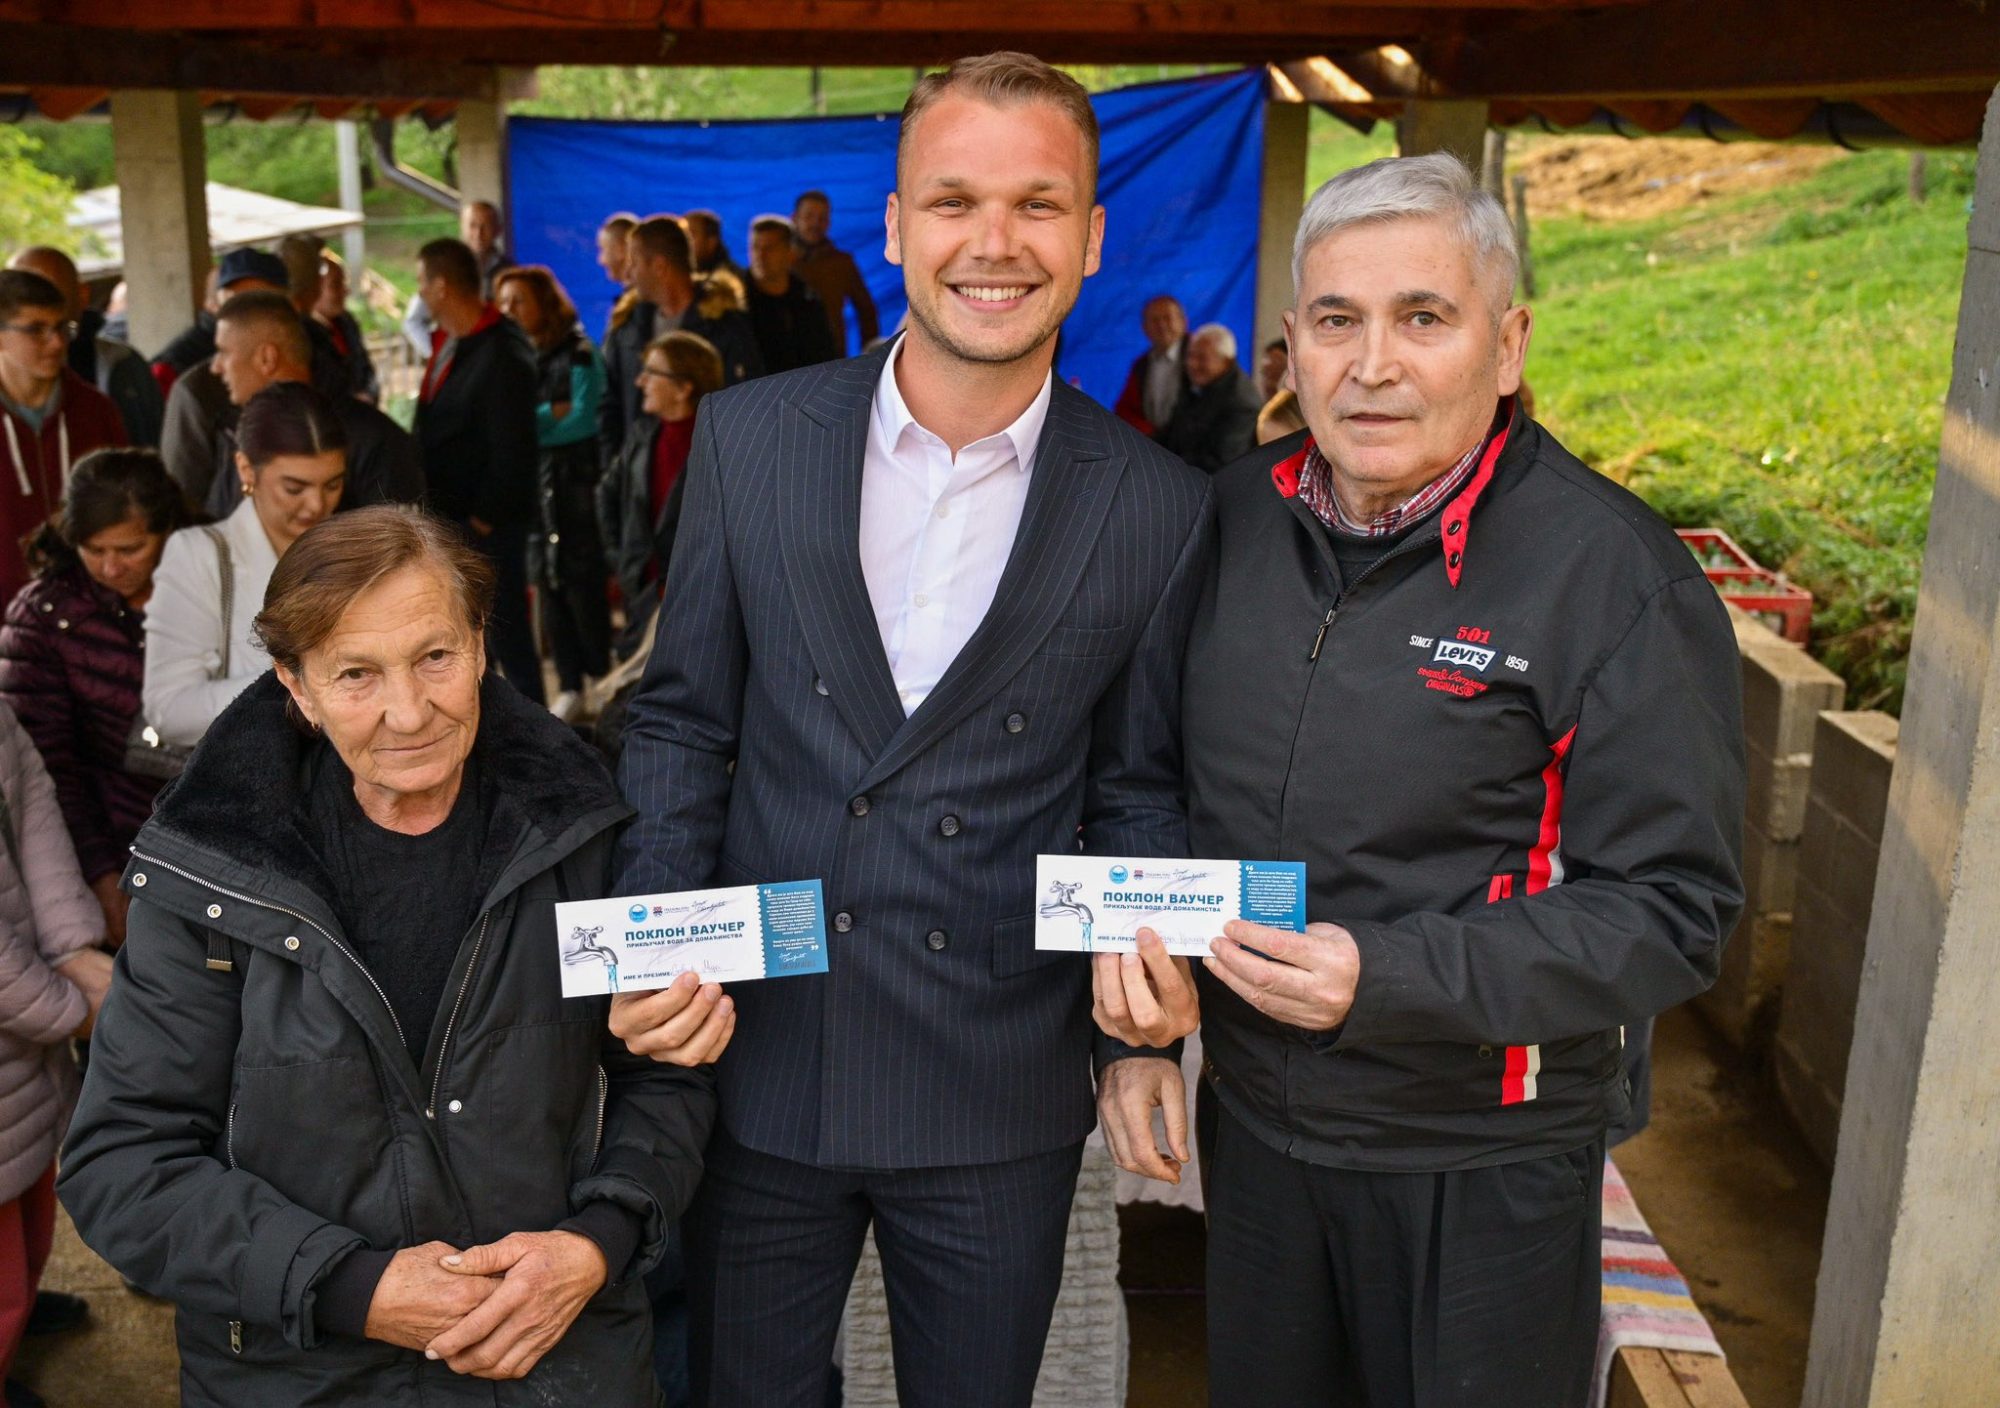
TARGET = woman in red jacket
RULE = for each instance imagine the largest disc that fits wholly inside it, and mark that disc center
(72, 652)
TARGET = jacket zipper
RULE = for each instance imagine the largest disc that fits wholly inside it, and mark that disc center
(603, 1093)
(229, 1134)
(235, 1336)
(451, 1022)
(345, 951)
(1326, 623)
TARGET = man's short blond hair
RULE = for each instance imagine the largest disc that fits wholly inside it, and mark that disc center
(1005, 79)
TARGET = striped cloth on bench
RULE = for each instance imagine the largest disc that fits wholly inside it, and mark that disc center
(1646, 1300)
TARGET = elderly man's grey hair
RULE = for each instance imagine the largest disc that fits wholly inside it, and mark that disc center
(1225, 340)
(1413, 187)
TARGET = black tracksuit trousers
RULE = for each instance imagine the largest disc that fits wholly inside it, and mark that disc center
(1333, 1288)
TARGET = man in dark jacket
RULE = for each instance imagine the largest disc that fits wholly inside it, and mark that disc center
(791, 325)
(476, 430)
(1215, 419)
(260, 339)
(1490, 701)
(198, 406)
(709, 306)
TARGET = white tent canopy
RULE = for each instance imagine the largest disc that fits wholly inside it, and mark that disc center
(235, 218)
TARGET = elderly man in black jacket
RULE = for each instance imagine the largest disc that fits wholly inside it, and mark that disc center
(476, 427)
(1491, 702)
(1215, 419)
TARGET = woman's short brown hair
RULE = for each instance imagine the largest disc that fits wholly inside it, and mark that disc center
(692, 358)
(1005, 79)
(335, 561)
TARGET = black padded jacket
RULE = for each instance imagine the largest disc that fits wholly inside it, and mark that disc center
(1510, 755)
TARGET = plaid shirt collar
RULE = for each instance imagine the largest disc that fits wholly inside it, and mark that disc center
(1316, 489)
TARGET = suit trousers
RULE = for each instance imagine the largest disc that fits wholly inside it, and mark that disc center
(1335, 1288)
(972, 1258)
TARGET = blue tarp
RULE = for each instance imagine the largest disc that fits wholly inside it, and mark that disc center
(1180, 177)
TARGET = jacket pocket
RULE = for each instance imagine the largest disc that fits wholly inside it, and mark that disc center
(1014, 950)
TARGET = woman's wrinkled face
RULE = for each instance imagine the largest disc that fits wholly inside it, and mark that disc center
(122, 557)
(395, 687)
(293, 492)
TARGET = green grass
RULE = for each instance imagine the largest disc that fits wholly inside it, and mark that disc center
(1774, 365)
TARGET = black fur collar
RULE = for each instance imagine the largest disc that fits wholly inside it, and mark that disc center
(243, 791)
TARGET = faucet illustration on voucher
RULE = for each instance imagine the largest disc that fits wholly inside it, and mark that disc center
(1065, 902)
(583, 947)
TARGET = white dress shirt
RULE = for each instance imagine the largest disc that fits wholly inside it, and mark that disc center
(936, 531)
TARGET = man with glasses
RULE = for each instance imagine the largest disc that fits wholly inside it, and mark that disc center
(49, 416)
(104, 362)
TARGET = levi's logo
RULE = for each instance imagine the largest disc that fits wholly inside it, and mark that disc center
(1458, 652)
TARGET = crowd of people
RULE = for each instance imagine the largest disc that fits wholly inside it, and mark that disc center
(275, 733)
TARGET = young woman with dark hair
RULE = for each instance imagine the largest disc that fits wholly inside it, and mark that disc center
(72, 652)
(200, 652)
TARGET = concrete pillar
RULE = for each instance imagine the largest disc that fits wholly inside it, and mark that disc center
(347, 154)
(482, 152)
(160, 160)
(1455, 125)
(1284, 199)
(1909, 1287)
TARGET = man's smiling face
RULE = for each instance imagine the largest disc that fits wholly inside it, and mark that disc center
(994, 224)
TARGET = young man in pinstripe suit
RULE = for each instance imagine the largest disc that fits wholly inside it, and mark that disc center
(924, 620)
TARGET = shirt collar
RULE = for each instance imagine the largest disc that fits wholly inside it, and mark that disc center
(893, 418)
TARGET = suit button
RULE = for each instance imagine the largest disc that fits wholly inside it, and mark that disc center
(948, 826)
(819, 686)
(1016, 722)
(842, 922)
(859, 806)
(935, 940)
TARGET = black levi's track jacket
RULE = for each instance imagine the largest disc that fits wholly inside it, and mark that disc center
(1510, 754)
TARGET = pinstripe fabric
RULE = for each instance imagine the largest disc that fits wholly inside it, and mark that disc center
(1058, 720)
(972, 1259)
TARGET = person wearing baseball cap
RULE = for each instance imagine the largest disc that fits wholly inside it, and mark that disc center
(197, 402)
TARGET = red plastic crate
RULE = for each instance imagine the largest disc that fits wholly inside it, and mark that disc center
(1750, 586)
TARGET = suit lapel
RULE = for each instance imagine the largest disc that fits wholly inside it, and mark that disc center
(1075, 478)
(820, 533)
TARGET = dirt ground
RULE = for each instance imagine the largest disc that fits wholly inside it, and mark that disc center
(1611, 178)
(1729, 1188)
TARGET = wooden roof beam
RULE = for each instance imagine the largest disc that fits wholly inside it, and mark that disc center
(46, 56)
(1740, 49)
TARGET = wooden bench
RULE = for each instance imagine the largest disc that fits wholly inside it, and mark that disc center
(1672, 1378)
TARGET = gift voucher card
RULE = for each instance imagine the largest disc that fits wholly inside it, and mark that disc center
(1098, 904)
(638, 942)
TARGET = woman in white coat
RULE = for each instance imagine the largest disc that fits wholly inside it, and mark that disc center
(200, 650)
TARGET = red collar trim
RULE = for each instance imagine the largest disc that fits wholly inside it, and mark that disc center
(1285, 473)
(1458, 513)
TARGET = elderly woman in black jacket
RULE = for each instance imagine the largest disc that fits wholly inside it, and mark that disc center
(337, 1108)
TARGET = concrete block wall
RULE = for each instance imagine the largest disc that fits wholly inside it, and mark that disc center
(1088, 1351)
(1784, 692)
(1853, 756)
